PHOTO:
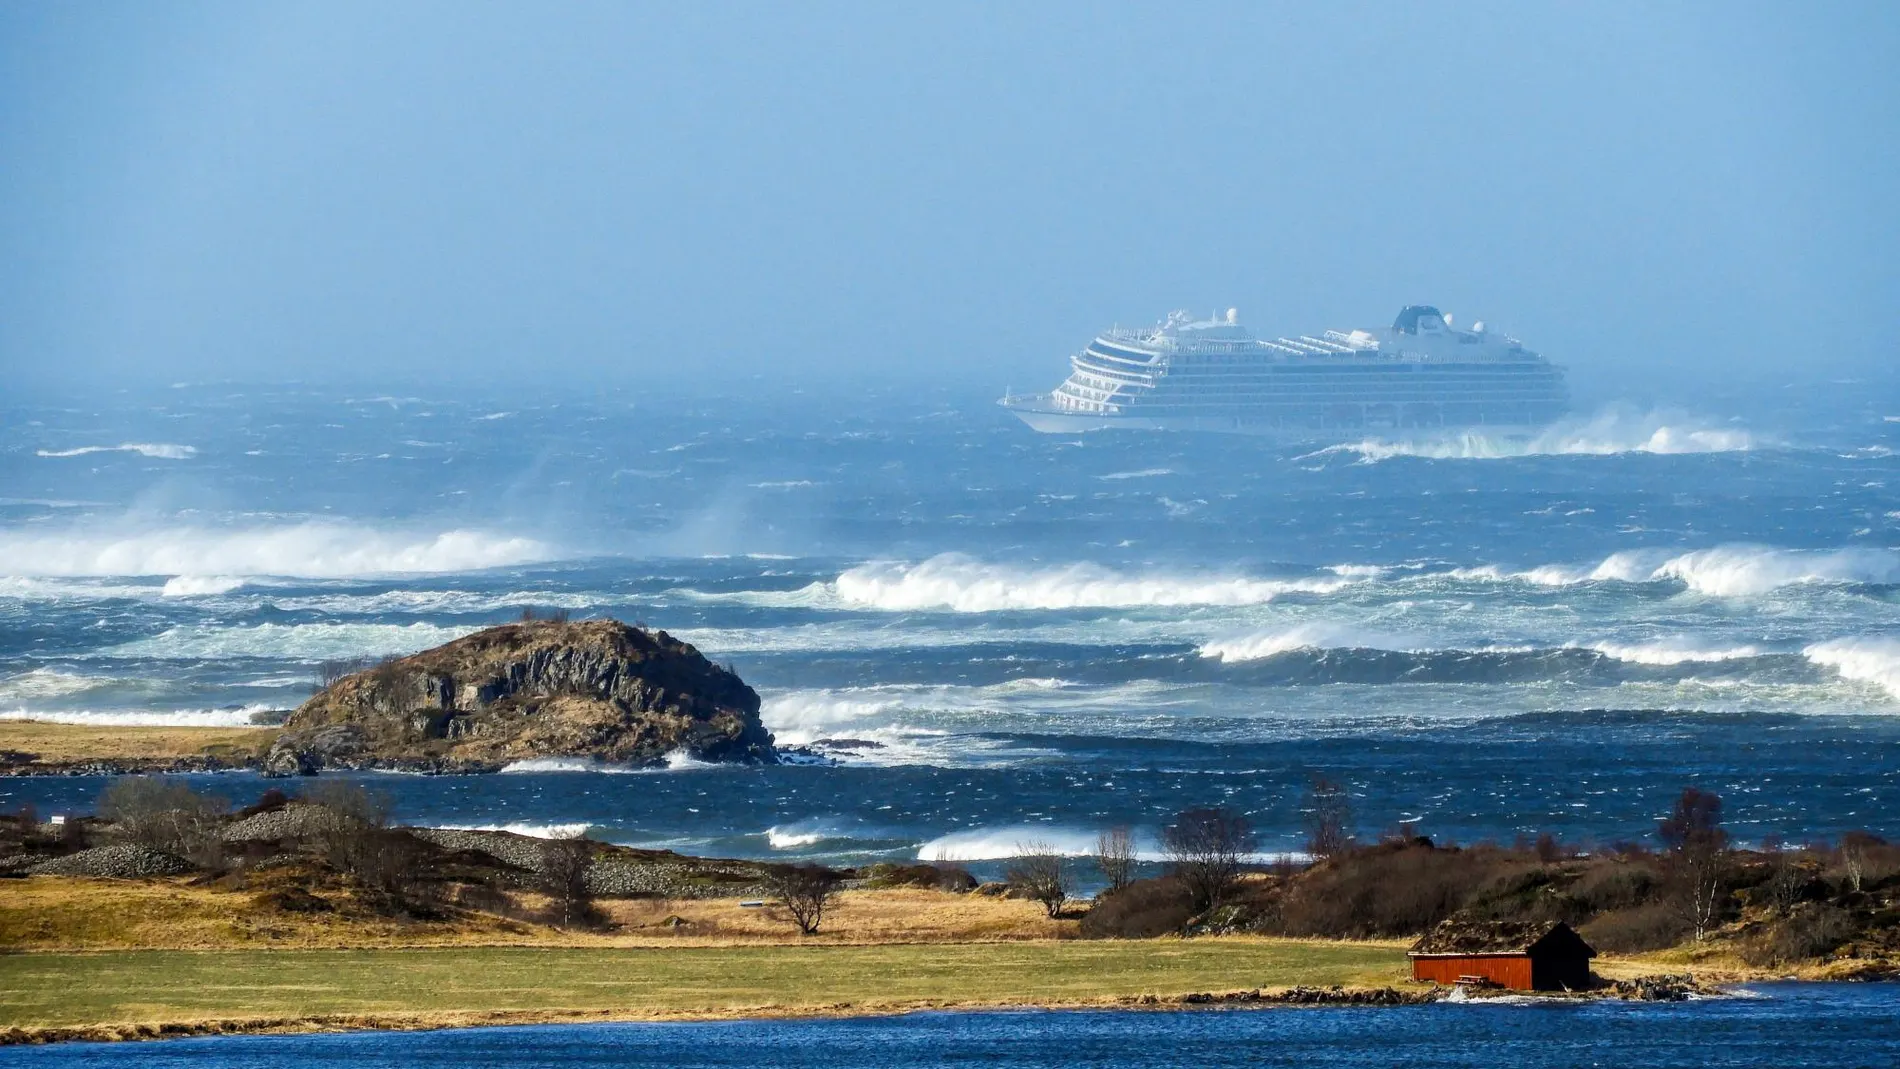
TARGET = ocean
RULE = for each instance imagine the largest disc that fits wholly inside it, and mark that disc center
(991, 635)
(1788, 1026)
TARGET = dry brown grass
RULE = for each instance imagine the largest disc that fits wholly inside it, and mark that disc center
(86, 742)
(74, 913)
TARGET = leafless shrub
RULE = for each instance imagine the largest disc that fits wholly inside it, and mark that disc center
(1698, 857)
(1388, 890)
(351, 834)
(564, 866)
(1865, 860)
(1650, 927)
(1036, 873)
(1143, 909)
(167, 815)
(1328, 819)
(1205, 849)
(805, 891)
(1802, 936)
(330, 672)
(1115, 857)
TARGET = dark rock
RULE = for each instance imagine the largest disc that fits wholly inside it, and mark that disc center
(597, 689)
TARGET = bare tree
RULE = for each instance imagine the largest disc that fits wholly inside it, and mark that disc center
(331, 671)
(1328, 819)
(1205, 849)
(1037, 872)
(805, 891)
(1856, 847)
(1115, 856)
(564, 865)
(351, 832)
(167, 815)
(1698, 856)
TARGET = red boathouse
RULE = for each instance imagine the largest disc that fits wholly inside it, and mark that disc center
(1528, 957)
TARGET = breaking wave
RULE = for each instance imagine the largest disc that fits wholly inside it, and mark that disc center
(295, 642)
(1671, 652)
(1266, 644)
(1607, 433)
(1725, 571)
(530, 829)
(314, 550)
(137, 718)
(155, 450)
(1864, 660)
(961, 584)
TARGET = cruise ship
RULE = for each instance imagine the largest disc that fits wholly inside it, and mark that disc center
(1420, 375)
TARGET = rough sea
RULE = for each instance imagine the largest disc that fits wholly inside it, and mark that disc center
(996, 635)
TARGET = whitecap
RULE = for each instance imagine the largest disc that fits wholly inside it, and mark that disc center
(125, 718)
(1609, 432)
(959, 583)
(316, 549)
(1873, 660)
(533, 830)
(154, 450)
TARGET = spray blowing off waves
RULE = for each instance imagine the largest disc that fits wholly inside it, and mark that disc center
(1608, 433)
(958, 583)
(312, 550)
(961, 584)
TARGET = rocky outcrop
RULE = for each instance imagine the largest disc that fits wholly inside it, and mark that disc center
(596, 689)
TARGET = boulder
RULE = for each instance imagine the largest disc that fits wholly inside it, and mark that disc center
(595, 689)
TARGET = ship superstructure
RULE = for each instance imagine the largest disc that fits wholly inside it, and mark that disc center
(1420, 374)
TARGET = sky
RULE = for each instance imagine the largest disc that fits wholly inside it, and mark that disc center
(515, 194)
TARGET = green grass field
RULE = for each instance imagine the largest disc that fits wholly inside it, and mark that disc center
(153, 987)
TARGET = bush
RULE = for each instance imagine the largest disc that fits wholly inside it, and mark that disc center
(1612, 885)
(1395, 889)
(167, 815)
(941, 876)
(1142, 910)
(1811, 932)
(1036, 873)
(805, 891)
(564, 866)
(1656, 926)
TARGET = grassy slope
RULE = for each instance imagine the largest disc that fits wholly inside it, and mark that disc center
(84, 742)
(41, 990)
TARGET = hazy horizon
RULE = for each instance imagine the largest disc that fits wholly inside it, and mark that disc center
(343, 193)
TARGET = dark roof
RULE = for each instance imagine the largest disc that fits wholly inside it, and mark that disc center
(1457, 935)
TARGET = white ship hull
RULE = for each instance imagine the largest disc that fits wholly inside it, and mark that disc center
(1051, 422)
(1419, 378)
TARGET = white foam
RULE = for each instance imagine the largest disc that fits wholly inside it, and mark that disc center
(1673, 651)
(1007, 841)
(961, 584)
(1607, 433)
(533, 830)
(188, 586)
(1272, 643)
(1873, 660)
(41, 683)
(787, 839)
(800, 717)
(1734, 570)
(170, 718)
(1741, 569)
(313, 549)
(296, 642)
(1145, 473)
(155, 450)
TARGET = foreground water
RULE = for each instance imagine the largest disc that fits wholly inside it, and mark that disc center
(998, 635)
(1783, 1025)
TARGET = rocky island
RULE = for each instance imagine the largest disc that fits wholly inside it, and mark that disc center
(598, 690)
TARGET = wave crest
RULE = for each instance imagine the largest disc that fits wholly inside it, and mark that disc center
(1866, 660)
(155, 450)
(1608, 433)
(311, 550)
(961, 584)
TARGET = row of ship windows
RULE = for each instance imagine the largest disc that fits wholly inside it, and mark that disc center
(1388, 365)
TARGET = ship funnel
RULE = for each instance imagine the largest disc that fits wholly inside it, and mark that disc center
(1233, 317)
